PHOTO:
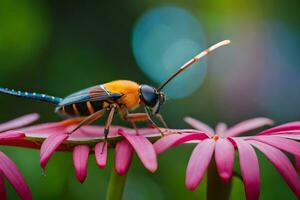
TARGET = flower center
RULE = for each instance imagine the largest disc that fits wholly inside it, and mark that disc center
(216, 137)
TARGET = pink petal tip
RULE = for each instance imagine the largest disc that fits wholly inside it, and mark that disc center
(49, 146)
(19, 122)
(101, 154)
(224, 155)
(80, 158)
(221, 128)
(196, 124)
(123, 157)
(198, 163)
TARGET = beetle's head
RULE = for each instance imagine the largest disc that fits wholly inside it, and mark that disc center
(152, 98)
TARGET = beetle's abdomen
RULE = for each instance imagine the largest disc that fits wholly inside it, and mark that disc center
(82, 108)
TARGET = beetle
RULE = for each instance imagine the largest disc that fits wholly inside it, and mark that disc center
(92, 103)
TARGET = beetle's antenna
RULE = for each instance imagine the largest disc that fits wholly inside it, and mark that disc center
(193, 60)
(29, 95)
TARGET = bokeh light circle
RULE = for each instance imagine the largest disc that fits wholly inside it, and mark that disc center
(164, 38)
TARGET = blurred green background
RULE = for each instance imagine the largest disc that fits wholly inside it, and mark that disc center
(59, 47)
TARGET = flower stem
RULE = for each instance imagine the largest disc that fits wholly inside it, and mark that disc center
(116, 186)
(216, 187)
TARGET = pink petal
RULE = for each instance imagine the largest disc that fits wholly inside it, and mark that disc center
(123, 157)
(11, 135)
(198, 163)
(196, 124)
(2, 188)
(142, 131)
(284, 132)
(282, 164)
(221, 128)
(11, 172)
(224, 155)
(101, 157)
(80, 158)
(46, 128)
(289, 136)
(49, 146)
(297, 162)
(143, 148)
(175, 139)
(248, 125)
(19, 122)
(288, 145)
(284, 127)
(249, 169)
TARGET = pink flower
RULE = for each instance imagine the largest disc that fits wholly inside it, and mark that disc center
(222, 143)
(7, 168)
(51, 137)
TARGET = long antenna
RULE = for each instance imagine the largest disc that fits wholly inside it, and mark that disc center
(193, 60)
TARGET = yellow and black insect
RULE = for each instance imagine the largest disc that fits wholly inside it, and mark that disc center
(120, 95)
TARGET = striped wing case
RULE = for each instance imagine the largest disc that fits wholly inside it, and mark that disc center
(87, 101)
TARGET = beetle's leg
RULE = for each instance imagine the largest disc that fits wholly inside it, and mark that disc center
(125, 115)
(153, 123)
(161, 119)
(109, 120)
(108, 123)
(132, 117)
(89, 119)
(136, 117)
(135, 127)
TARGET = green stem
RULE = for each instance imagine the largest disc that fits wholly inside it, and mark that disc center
(216, 188)
(116, 186)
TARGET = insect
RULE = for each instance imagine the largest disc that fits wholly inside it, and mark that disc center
(120, 96)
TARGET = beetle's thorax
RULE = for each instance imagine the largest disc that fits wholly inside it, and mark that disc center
(129, 90)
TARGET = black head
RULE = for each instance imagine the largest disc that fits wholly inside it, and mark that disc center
(152, 98)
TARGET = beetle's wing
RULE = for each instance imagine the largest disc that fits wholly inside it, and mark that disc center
(95, 93)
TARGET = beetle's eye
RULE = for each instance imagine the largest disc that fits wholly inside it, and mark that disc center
(148, 95)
